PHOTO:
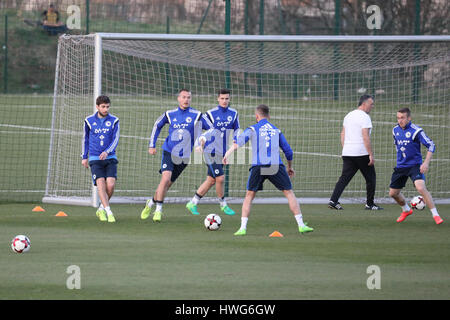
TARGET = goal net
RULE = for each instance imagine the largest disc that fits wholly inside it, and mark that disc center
(310, 83)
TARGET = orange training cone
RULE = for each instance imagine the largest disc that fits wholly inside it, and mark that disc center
(61, 214)
(276, 234)
(38, 209)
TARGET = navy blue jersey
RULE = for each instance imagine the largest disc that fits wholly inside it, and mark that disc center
(100, 135)
(266, 143)
(225, 122)
(184, 127)
(407, 143)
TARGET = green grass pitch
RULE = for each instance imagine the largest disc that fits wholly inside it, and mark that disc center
(179, 259)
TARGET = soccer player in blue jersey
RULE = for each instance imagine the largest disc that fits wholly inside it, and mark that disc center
(267, 164)
(100, 140)
(407, 139)
(214, 143)
(185, 125)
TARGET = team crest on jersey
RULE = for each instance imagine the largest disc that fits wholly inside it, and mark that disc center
(230, 118)
(408, 134)
(188, 119)
(108, 123)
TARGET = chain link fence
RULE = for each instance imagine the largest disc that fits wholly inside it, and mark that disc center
(29, 53)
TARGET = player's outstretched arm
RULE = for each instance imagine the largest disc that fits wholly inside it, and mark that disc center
(229, 152)
(239, 141)
(152, 151)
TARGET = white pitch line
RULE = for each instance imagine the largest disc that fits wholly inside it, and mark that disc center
(23, 127)
(22, 132)
(389, 123)
(26, 107)
(77, 133)
(48, 131)
(318, 154)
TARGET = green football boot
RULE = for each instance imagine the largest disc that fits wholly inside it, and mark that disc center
(241, 232)
(146, 211)
(305, 229)
(101, 214)
(111, 218)
(227, 210)
(157, 216)
(192, 208)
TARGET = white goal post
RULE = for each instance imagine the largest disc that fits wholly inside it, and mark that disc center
(309, 82)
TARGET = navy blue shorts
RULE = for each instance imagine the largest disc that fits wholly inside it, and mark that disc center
(400, 176)
(280, 179)
(214, 164)
(176, 165)
(103, 169)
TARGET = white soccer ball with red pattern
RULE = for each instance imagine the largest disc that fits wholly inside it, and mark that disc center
(213, 222)
(20, 244)
(418, 203)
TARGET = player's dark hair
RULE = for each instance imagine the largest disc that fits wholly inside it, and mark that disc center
(223, 91)
(184, 89)
(102, 100)
(405, 110)
(263, 110)
(364, 98)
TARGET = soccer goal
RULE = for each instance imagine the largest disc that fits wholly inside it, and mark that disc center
(309, 82)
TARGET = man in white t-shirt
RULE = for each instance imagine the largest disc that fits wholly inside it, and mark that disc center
(357, 153)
